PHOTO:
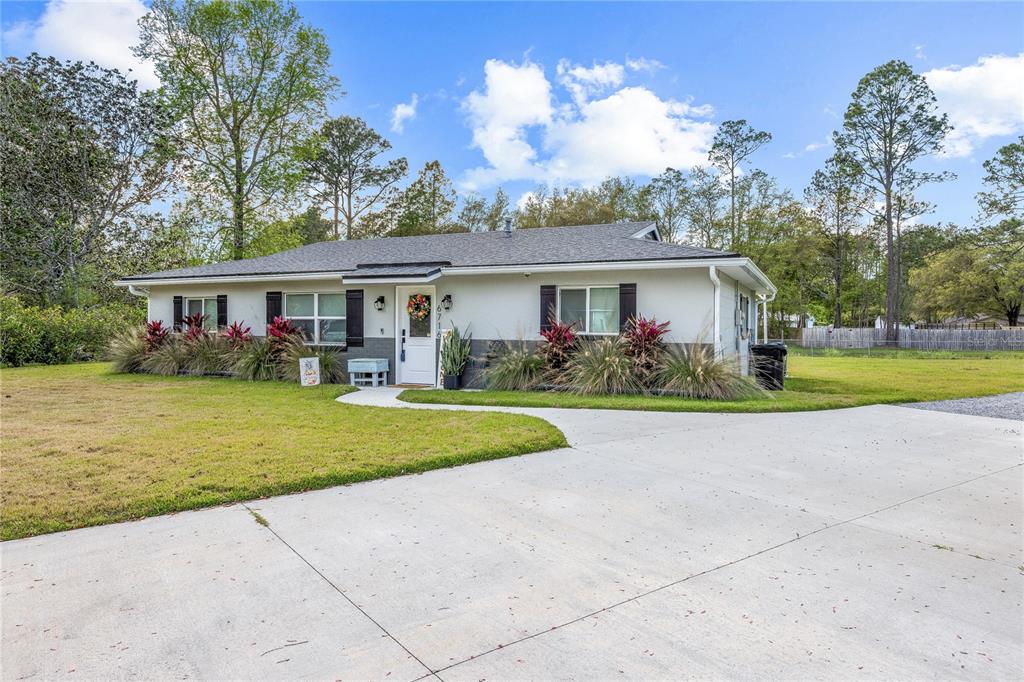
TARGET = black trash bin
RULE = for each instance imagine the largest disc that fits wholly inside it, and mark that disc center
(770, 364)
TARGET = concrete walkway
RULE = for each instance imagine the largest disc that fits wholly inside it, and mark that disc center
(863, 543)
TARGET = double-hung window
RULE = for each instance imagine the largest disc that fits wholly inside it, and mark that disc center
(321, 317)
(591, 310)
(203, 306)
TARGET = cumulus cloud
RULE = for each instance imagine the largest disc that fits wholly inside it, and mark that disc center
(644, 64)
(405, 111)
(983, 100)
(605, 126)
(87, 31)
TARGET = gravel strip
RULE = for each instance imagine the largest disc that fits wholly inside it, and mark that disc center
(1005, 406)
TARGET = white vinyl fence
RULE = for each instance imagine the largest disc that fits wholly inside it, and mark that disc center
(917, 339)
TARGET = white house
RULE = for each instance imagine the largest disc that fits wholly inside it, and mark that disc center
(502, 286)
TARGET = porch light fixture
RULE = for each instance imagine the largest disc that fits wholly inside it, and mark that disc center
(446, 302)
(378, 303)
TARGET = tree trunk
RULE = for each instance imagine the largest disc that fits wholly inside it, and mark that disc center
(1013, 315)
(238, 212)
(838, 318)
(732, 213)
(337, 219)
(892, 329)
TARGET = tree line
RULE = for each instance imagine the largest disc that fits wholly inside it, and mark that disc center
(234, 156)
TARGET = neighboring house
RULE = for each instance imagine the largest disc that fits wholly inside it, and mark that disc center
(503, 285)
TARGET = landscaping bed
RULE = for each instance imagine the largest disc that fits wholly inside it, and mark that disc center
(814, 383)
(83, 446)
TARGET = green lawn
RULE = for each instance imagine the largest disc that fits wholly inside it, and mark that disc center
(83, 447)
(815, 383)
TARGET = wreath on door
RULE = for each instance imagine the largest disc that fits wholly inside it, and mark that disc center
(418, 307)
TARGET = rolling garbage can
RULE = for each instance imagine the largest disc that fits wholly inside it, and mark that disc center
(770, 364)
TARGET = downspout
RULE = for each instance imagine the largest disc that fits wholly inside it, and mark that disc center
(713, 274)
(765, 300)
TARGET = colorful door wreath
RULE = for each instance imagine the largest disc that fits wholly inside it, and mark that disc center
(418, 307)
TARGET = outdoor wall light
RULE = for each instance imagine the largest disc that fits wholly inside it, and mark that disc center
(378, 303)
(446, 302)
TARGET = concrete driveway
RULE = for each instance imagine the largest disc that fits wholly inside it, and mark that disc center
(876, 542)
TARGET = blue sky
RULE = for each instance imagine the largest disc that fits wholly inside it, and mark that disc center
(640, 86)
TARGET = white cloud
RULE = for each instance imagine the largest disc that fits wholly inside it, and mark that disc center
(815, 146)
(983, 100)
(919, 52)
(644, 64)
(102, 32)
(406, 111)
(606, 128)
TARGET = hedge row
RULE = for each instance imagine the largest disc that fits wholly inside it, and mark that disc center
(54, 336)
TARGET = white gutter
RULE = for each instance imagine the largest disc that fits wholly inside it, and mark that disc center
(415, 279)
(138, 291)
(228, 278)
(713, 274)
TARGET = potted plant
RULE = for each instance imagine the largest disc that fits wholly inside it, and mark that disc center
(454, 356)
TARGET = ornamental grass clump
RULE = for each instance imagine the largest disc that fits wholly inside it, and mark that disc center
(207, 354)
(517, 368)
(601, 367)
(168, 359)
(256, 361)
(332, 363)
(128, 349)
(695, 371)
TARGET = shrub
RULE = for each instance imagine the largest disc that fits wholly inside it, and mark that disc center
(601, 366)
(455, 353)
(516, 369)
(194, 326)
(333, 367)
(281, 333)
(155, 334)
(645, 345)
(256, 361)
(696, 372)
(168, 359)
(128, 350)
(237, 335)
(559, 343)
(206, 354)
(29, 334)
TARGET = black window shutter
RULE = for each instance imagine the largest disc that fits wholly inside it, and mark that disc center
(179, 302)
(222, 311)
(354, 318)
(627, 305)
(548, 305)
(273, 305)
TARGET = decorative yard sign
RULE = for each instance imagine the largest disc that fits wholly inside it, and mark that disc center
(309, 371)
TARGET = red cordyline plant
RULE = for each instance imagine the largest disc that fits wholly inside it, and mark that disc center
(281, 333)
(236, 334)
(559, 342)
(194, 328)
(645, 344)
(156, 334)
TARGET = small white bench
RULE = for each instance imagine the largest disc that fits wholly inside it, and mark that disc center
(368, 372)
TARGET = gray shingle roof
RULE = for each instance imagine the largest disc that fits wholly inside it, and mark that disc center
(414, 255)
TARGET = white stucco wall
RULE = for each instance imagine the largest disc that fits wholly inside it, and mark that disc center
(494, 306)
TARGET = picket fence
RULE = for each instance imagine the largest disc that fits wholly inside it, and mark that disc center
(919, 339)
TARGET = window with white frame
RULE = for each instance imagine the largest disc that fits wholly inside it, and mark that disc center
(206, 305)
(321, 317)
(591, 310)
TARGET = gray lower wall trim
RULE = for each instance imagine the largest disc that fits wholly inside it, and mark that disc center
(375, 347)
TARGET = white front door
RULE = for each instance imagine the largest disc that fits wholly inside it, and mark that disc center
(417, 347)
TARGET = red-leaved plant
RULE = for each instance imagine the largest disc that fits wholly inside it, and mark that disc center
(559, 343)
(236, 334)
(194, 326)
(156, 334)
(281, 333)
(645, 344)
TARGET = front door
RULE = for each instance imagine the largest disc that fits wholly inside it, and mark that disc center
(417, 331)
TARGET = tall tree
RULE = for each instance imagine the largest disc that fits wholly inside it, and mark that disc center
(670, 196)
(84, 154)
(891, 122)
(1004, 183)
(704, 209)
(836, 200)
(344, 172)
(498, 211)
(473, 214)
(424, 207)
(246, 80)
(734, 142)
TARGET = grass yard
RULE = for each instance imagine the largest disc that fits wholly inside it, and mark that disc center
(82, 447)
(815, 383)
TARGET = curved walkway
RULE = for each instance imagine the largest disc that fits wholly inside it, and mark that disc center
(866, 543)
